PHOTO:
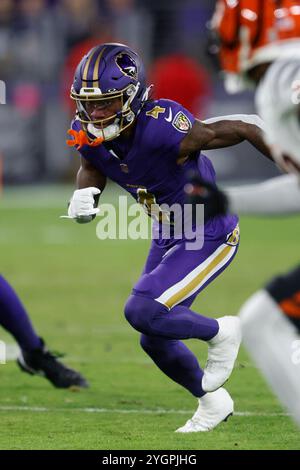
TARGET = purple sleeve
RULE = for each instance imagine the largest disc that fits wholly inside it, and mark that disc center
(170, 127)
(91, 154)
(85, 151)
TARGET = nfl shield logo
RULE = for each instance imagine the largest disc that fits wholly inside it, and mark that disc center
(124, 168)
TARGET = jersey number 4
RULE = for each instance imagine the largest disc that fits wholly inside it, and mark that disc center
(148, 201)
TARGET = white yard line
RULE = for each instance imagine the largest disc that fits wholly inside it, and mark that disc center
(41, 409)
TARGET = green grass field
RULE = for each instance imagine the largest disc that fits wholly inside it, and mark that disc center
(74, 287)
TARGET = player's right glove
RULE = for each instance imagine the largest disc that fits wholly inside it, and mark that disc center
(199, 191)
(83, 205)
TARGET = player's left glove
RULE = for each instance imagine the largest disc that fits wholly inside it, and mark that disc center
(199, 191)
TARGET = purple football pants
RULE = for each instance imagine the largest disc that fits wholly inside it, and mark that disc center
(14, 318)
(159, 304)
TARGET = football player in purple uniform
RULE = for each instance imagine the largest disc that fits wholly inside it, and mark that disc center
(34, 357)
(148, 147)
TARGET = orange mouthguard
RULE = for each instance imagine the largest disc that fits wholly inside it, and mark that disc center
(80, 138)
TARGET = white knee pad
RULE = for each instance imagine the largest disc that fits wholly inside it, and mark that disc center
(270, 338)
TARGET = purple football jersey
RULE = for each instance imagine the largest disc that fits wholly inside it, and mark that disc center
(145, 165)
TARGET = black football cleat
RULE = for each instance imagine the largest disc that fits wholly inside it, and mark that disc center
(44, 363)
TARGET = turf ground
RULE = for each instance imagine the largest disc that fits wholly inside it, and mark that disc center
(74, 287)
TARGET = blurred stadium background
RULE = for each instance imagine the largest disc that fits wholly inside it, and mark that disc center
(41, 41)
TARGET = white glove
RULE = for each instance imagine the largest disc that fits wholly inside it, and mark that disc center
(81, 207)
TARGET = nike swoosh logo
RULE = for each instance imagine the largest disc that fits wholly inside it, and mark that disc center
(114, 154)
(169, 251)
(169, 118)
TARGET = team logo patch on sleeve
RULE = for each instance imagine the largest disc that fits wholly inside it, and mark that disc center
(181, 122)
